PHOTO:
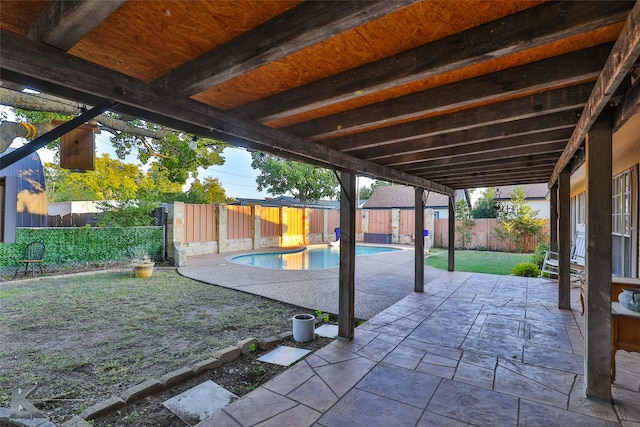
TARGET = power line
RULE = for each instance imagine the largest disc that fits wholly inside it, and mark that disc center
(229, 173)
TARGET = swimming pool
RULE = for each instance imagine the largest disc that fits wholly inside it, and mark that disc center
(308, 258)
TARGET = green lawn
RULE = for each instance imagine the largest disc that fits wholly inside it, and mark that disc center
(478, 261)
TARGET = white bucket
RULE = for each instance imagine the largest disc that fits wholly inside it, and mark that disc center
(303, 327)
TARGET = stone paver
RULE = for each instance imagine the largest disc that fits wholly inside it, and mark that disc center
(199, 402)
(472, 349)
(284, 355)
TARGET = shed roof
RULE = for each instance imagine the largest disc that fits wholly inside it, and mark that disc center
(435, 94)
(531, 191)
(402, 196)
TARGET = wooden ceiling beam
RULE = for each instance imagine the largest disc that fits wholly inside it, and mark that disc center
(63, 23)
(488, 182)
(571, 99)
(295, 29)
(498, 174)
(628, 106)
(492, 165)
(472, 158)
(40, 62)
(524, 30)
(131, 111)
(528, 144)
(516, 128)
(624, 54)
(563, 70)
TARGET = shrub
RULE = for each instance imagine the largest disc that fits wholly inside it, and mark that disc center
(526, 269)
(539, 254)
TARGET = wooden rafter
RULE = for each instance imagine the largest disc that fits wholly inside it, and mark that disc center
(516, 128)
(47, 64)
(567, 99)
(526, 144)
(292, 31)
(524, 30)
(64, 23)
(571, 68)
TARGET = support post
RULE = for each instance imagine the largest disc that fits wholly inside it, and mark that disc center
(419, 241)
(564, 239)
(553, 220)
(452, 234)
(346, 291)
(597, 364)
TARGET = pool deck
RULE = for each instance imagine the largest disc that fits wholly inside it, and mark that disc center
(381, 280)
(472, 349)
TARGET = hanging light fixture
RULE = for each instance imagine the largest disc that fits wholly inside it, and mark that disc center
(193, 144)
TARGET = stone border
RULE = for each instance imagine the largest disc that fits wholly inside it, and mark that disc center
(170, 379)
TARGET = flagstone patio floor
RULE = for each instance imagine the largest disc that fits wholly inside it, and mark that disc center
(472, 349)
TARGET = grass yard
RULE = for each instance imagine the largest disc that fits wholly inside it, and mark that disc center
(84, 338)
(478, 261)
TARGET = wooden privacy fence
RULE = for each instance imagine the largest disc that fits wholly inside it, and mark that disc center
(483, 236)
(204, 229)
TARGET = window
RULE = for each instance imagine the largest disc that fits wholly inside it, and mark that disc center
(623, 219)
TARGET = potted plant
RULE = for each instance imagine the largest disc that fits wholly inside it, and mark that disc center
(143, 266)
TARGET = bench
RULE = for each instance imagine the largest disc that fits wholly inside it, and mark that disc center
(577, 254)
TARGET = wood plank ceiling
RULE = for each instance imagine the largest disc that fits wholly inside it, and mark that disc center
(440, 94)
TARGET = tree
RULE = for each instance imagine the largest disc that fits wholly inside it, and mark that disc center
(127, 213)
(485, 206)
(464, 223)
(178, 153)
(208, 192)
(112, 179)
(304, 182)
(366, 192)
(519, 220)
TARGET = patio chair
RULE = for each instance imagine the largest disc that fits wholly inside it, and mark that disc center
(551, 264)
(33, 254)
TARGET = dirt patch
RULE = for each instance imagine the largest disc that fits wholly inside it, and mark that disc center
(85, 338)
(239, 376)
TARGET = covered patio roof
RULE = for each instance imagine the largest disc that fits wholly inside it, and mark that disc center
(436, 94)
(441, 95)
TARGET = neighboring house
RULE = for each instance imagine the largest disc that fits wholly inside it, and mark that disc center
(403, 197)
(536, 195)
(78, 207)
(625, 203)
(30, 203)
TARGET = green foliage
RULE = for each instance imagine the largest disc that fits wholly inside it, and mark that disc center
(539, 254)
(207, 192)
(464, 223)
(116, 180)
(304, 182)
(82, 244)
(485, 206)
(526, 269)
(127, 213)
(112, 179)
(519, 221)
(366, 192)
(252, 348)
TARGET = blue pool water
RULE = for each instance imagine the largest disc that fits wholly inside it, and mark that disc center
(309, 258)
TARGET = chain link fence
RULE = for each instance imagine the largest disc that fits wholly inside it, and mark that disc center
(81, 249)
